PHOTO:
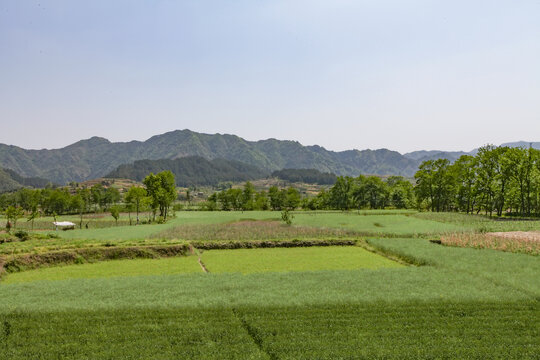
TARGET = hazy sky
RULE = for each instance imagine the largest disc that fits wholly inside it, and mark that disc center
(404, 75)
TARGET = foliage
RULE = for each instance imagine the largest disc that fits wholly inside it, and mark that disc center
(287, 217)
(500, 180)
(310, 176)
(162, 190)
(115, 213)
(136, 196)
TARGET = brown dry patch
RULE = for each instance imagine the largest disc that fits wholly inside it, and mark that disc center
(251, 230)
(513, 241)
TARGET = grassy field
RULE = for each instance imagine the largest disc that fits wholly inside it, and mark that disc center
(105, 269)
(462, 303)
(293, 259)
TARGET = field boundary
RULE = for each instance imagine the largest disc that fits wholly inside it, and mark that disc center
(254, 335)
(231, 245)
(394, 255)
(88, 255)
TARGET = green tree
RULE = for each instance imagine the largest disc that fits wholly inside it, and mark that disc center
(248, 195)
(261, 201)
(34, 214)
(135, 196)
(341, 194)
(161, 188)
(78, 204)
(12, 215)
(292, 198)
(115, 213)
(464, 169)
(97, 193)
(277, 198)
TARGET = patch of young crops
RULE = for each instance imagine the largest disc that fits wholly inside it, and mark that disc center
(400, 330)
(416, 330)
(375, 225)
(157, 333)
(113, 268)
(294, 259)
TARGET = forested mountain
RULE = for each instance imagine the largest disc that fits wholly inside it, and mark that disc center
(191, 170)
(10, 180)
(96, 157)
(309, 176)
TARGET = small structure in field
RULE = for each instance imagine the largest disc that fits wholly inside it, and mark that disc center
(64, 225)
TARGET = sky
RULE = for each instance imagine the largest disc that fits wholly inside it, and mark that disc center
(343, 74)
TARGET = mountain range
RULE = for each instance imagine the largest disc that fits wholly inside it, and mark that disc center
(96, 157)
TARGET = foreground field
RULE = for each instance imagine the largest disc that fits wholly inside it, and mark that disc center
(460, 303)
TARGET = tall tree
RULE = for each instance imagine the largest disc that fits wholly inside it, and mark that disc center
(135, 196)
(162, 189)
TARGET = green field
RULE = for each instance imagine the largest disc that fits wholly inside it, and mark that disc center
(337, 303)
(247, 261)
(118, 268)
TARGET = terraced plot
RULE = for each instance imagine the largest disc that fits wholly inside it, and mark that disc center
(138, 267)
(294, 259)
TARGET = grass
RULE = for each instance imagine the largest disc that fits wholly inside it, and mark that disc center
(376, 225)
(247, 261)
(106, 269)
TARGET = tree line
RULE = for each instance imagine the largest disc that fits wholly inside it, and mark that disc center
(497, 180)
(156, 195)
(248, 198)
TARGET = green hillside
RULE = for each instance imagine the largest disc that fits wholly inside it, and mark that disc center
(10, 180)
(97, 157)
(191, 170)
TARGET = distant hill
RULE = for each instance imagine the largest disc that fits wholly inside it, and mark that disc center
(191, 170)
(10, 180)
(96, 157)
(308, 176)
(524, 144)
(424, 155)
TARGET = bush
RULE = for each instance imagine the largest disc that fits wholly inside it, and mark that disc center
(22, 235)
(287, 217)
(178, 207)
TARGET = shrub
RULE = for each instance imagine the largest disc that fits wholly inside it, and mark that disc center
(287, 217)
(22, 235)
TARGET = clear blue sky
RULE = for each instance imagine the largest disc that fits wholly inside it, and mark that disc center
(403, 75)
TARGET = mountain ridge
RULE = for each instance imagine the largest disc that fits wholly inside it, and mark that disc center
(97, 156)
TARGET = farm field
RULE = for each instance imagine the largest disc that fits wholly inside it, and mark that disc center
(325, 302)
(293, 259)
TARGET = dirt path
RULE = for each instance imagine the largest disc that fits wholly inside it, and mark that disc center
(194, 251)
